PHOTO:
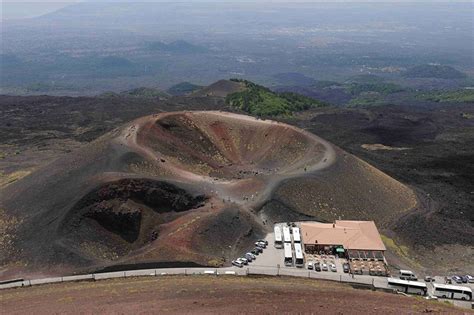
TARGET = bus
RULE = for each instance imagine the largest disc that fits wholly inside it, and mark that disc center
(299, 259)
(447, 291)
(288, 255)
(286, 234)
(296, 235)
(409, 287)
(278, 237)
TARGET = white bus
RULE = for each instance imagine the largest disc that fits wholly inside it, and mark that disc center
(286, 234)
(288, 255)
(296, 235)
(447, 291)
(409, 287)
(278, 237)
(299, 259)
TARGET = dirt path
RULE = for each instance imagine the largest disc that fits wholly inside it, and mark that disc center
(201, 294)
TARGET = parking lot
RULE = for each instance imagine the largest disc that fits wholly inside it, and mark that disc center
(271, 262)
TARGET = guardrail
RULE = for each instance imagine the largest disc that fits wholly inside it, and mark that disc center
(250, 270)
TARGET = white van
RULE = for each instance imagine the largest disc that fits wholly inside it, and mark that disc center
(407, 275)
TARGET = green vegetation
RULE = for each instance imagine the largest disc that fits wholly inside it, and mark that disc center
(434, 71)
(379, 87)
(146, 92)
(398, 249)
(183, 88)
(141, 92)
(367, 99)
(458, 96)
(261, 101)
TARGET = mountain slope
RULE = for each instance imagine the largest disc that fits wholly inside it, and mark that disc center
(164, 187)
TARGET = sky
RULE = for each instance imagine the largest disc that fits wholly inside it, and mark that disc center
(20, 9)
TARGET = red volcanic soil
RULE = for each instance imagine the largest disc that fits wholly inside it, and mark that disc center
(165, 187)
(222, 295)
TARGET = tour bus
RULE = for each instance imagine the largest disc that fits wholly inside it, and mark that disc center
(407, 275)
(296, 234)
(405, 286)
(447, 291)
(286, 234)
(288, 255)
(278, 237)
(299, 259)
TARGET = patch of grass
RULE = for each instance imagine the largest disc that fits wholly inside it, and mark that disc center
(458, 96)
(217, 262)
(400, 250)
(261, 101)
(7, 179)
(367, 99)
(8, 226)
(378, 87)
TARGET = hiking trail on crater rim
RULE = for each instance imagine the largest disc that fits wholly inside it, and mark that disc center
(192, 188)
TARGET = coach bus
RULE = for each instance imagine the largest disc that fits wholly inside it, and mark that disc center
(288, 255)
(286, 234)
(278, 237)
(296, 235)
(299, 259)
(405, 286)
(447, 291)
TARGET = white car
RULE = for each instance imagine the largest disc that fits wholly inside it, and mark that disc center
(237, 263)
(310, 265)
(470, 279)
(324, 267)
(243, 260)
(333, 267)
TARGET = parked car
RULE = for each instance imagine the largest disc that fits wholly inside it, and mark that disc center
(263, 241)
(345, 267)
(261, 244)
(324, 267)
(333, 267)
(310, 265)
(456, 279)
(470, 278)
(317, 266)
(259, 249)
(243, 260)
(464, 279)
(237, 263)
(429, 279)
(249, 257)
(255, 252)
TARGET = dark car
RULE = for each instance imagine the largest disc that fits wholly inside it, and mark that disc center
(255, 252)
(259, 249)
(345, 267)
(429, 279)
(317, 266)
(464, 279)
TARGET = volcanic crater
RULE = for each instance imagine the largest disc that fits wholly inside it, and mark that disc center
(192, 187)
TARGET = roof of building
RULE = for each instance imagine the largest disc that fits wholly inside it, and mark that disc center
(358, 235)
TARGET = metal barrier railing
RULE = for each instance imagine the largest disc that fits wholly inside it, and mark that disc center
(248, 270)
